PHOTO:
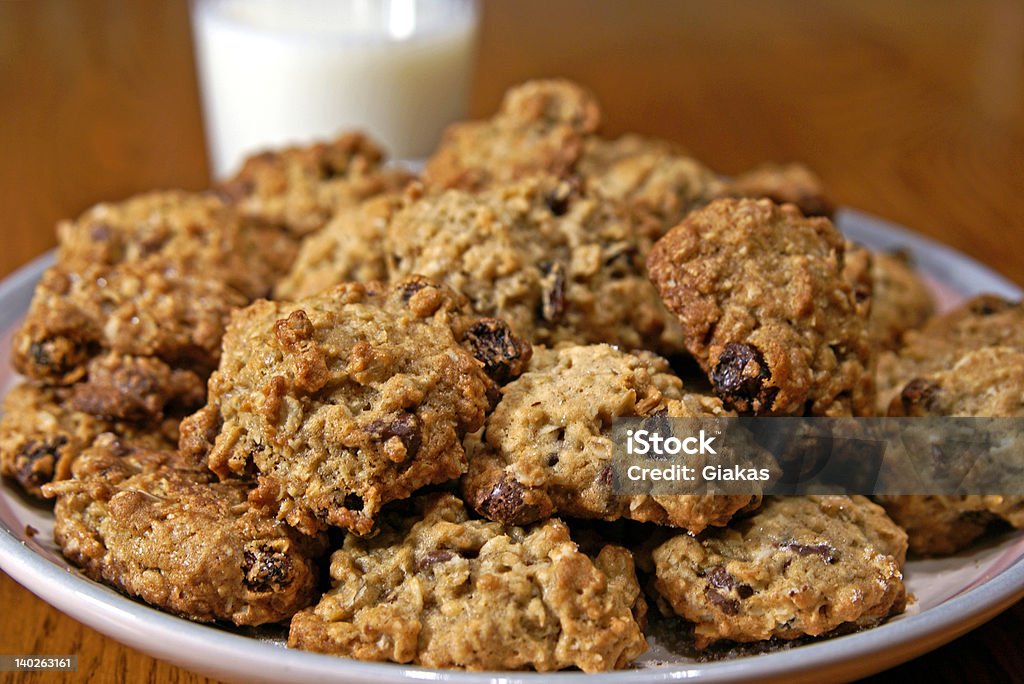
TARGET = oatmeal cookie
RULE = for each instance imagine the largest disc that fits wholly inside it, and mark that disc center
(791, 183)
(155, 527)
(985, 382)
(938, 525)
(301, 188)
(766, 308)
(547, 447)
(439, 590)
(540, 128)
(557, 264)
(131, 309)
(900, 299)
(652, 175)
(349, 399)
(350, 248)
(156, 276)
(983, 321)
(799, 565)
(195, 234)
(41, 435)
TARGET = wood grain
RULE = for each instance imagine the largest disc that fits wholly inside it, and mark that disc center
(911, 110)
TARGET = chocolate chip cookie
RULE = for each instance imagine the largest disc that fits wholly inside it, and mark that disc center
(155, 527)
(798, 566)
(437, 589)
(351, 398)
(766, 308)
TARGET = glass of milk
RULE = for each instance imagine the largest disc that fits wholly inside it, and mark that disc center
(278, 72)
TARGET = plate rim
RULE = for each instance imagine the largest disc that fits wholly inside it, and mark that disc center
(197, 646)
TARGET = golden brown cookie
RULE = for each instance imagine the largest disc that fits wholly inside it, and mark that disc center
(156, 527)
(798, 566)
(41, 435)
(547, 447)
(766, 308)
(540, 128)
(351, 398)
(556, 263)
(437, 589)
(301, 188)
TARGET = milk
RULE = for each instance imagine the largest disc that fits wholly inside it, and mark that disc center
(277, 72)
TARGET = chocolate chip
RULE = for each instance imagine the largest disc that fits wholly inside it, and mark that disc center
(741, 379)
(265, 568)
(553, 291)
(432, 557)
(823, 550)
(405, 426)
(726, 605)
(502, 353)
(744, 591)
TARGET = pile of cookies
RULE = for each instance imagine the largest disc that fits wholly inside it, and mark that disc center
(377, 406)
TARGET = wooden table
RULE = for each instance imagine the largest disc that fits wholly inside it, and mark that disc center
(912, 110)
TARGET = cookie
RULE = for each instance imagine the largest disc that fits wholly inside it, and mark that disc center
(766, 309)
(437, 589)
(155, 527)
(798, 566)
(540, 128)
(791, 183)
(547, 447)
(196, 234)
(983, 321)
(349, 399)
(301, 188)
(41, 435)
(900, 299)
(650, 175)
(555, 263)
(155, 275)
(985, 382)
(350, 248)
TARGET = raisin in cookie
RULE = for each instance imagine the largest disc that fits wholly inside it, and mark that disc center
(557, 264)
(766, 308)
(547, 447)
(155, 527)
(41, 435)
(799, 565)
(439, 590)
(301, 188)
(540, 128)
(349, 399)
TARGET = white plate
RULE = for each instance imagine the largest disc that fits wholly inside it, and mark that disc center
(953, 595)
